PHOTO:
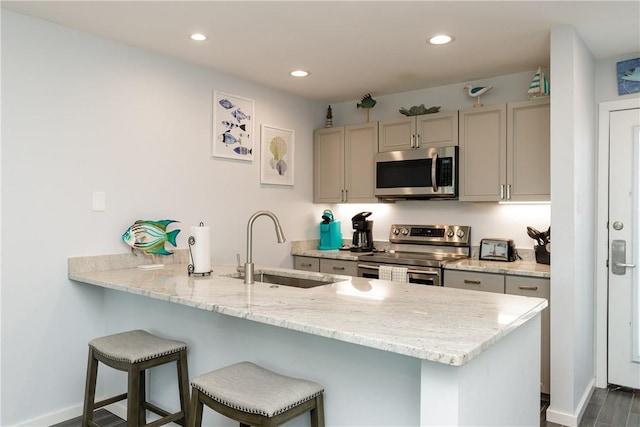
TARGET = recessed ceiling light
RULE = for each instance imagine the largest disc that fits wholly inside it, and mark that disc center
(441, 39)
(198, 37)
(299, 73)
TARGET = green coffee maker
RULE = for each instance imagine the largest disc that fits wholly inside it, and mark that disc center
(330, 233)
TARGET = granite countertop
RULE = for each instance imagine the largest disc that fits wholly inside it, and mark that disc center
(516, 268)
(526, 267)
(444, 325)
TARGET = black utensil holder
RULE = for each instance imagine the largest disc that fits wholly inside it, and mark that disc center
(542, 255)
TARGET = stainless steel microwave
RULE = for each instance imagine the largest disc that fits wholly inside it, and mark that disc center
(426, 173)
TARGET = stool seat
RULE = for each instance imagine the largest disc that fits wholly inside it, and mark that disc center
(250, 388)
(135, 346)
(135, 352)
(255, 396)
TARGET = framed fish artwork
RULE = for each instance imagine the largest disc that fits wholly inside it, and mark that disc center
(628, 76)
(276, 155)
(233, 118)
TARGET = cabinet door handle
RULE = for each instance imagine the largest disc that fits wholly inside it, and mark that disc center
(305, 264)
(528, 288)
(338, 268)
(412, 144)
(472, 282)
(508, 191)
(418, 141)
(501, 191)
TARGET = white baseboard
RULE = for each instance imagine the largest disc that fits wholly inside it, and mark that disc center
(571, 420)
(53, 418)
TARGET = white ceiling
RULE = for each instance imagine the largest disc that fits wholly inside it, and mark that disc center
(352, 47)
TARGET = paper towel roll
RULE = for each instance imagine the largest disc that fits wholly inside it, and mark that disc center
(201, 249)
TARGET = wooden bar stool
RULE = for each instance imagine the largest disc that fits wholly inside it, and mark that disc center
(254, 396)
(134, 352)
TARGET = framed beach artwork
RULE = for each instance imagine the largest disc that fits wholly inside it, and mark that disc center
(232, 127)
(628, 76)
(277, 155)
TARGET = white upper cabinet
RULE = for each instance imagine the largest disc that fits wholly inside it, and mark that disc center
(343, 164)
(505, 152)
(424, 131)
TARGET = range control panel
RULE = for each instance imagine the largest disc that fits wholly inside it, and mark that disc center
(449, 235)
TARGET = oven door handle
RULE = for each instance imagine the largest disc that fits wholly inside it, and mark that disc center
(427, 272)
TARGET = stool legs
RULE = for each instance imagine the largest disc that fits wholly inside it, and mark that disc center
(90, 389)
(137, 404)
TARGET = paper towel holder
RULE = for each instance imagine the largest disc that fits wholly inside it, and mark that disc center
(191, 267)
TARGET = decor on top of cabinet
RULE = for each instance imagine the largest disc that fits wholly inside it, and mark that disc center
(628, 76)
(329, 122)
(367, 102)
(418, 110)
(539, 86)
(276, 164)
(476, 92)
(149, 238)
(232, 127)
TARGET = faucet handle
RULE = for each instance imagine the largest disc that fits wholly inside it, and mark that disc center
(239, 267)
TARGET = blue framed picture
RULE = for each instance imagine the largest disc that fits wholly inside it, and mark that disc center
(628, 76)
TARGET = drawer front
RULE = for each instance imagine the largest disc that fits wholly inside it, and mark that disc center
(306, 263)
(336, 266)
(528, 286)
(474, 281)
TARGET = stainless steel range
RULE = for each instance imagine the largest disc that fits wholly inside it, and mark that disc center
(422, 249)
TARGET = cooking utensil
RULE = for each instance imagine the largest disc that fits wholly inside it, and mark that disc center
(536, 235)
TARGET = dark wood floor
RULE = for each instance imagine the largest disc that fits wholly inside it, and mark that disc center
(610, 407)
(103, 417)
(613, 407)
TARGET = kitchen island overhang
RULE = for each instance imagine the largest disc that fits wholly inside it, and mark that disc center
(459, 337)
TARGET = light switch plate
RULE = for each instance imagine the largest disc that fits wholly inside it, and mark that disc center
(99, 201)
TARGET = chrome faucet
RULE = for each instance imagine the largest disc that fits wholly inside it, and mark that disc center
(248, 266)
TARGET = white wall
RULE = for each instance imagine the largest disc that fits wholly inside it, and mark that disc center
(80, 114)
(572, 197)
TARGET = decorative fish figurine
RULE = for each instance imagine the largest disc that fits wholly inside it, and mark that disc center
(632, 74)
(240, 116)
(366, 102)
(149, 236)
(242, 150)
(228, 138)
(226, 103)
(230, 125)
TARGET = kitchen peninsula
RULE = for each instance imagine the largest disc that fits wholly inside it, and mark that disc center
(387, 353)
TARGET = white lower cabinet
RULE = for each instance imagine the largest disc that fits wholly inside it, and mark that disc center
(473, 281)
(513, 285)
(326, 265)
(540, 288)
(306, 263)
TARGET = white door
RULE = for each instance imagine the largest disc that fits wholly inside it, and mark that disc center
(624, 250)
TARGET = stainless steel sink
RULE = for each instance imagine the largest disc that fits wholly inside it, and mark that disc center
(296, 282)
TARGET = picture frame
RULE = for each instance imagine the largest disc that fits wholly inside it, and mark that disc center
(232, 135)
(628, 74)
(277, 155)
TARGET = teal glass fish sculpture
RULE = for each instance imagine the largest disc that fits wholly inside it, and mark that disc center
(150, 236)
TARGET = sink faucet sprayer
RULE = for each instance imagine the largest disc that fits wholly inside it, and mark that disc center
(248, 266)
